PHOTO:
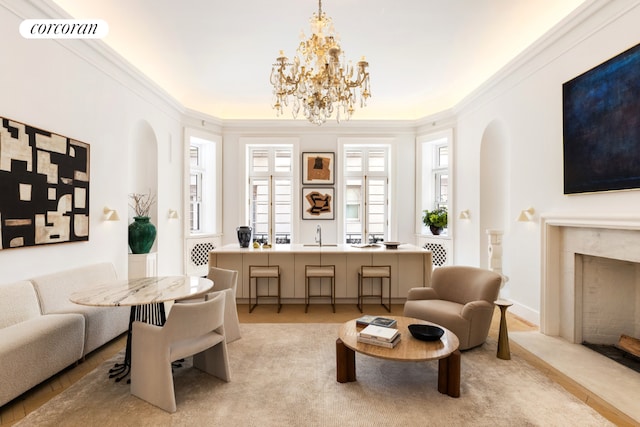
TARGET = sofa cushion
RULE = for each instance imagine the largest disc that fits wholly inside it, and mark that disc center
(102, 324)
(18, 302)
(54, 289)
(35, 349)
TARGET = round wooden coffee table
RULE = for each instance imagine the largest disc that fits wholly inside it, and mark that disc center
(408, 349)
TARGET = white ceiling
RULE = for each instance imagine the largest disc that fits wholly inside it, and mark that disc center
(215, 56)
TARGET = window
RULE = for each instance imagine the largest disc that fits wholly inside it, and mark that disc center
(441, 174)
(432, 191)
(204, 182)
(366, 198)
(270, 192)
(195, 188)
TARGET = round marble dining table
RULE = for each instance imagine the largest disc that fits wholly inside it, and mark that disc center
(146, 296)
(143, 290)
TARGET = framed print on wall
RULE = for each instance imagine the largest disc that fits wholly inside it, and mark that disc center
(317, 203)
(44, 187)
(318, 168)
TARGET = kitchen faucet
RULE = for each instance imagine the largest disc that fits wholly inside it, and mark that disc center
(319, 235)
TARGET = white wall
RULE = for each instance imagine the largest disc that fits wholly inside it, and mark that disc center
(527, 100)
(67, 87)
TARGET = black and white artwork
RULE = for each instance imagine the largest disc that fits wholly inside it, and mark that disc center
(317, 203)
(44, 187)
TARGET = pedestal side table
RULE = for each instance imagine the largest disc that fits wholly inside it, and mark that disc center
(503, 336)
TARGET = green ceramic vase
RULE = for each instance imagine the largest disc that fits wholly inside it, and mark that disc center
(142, 234)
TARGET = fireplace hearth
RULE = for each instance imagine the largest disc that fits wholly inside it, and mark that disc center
(616, 354)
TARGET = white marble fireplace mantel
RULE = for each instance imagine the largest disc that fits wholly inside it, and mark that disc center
(624, 222)
(615, 237)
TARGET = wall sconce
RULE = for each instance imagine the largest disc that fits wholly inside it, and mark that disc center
(464, 214)
(110, 214)
(173, 214)
(526, 215)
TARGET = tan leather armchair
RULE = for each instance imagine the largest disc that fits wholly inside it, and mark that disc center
(461, 298)
(191, 329)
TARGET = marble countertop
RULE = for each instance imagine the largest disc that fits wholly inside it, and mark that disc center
(145, 290)
(314, 248)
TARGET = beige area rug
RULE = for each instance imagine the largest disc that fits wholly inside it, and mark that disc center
(285, 375)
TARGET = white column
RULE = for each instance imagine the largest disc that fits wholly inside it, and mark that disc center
(495, 254)
(143, 265)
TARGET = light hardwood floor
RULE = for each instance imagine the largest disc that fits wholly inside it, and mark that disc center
(318, 313)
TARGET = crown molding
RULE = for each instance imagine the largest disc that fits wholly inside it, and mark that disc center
(106, 60)
(538, 56)
(100, 55)
(436, 122)
(302, 126)
(200, 120)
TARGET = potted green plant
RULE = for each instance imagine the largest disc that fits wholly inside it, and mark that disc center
(436, 220)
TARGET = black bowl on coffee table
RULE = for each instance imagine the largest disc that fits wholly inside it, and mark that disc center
(426, 332)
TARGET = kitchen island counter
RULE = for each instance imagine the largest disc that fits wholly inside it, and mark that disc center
(410, 267)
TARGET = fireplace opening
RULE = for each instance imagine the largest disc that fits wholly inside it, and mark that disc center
(608, 297)
(616, 354)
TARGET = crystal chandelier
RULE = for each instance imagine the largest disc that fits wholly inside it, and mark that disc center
(318, 78)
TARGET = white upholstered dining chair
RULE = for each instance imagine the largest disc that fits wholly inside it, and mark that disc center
(225, 282)
(191, 329)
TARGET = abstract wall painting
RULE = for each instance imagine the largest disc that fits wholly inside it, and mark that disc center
(318, 168)
(601, 126)
(44, 187)
(317, 203)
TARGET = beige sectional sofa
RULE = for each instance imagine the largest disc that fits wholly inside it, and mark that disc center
(42, 332)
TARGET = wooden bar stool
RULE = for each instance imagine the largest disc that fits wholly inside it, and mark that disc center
(374, 272)
(320, 272)
(264, 272)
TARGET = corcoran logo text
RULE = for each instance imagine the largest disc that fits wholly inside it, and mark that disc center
(64, 28)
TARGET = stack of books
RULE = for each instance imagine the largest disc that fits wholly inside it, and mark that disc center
(379, 335)
(367, 320)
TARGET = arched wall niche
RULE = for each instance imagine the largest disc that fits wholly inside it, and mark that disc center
(494, 184)
(143, 166)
